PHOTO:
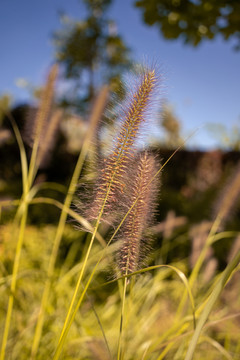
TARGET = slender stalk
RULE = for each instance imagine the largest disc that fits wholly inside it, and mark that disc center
(23, 156)
(68, 325)
(71, 318)
(200, 261)
(40, 122)
(28, 178)
(112, 176)
(201, 258)
(14, 281)
(210, 303)
(98, 109)
(68, 320)
(52, 261)
(119, 353)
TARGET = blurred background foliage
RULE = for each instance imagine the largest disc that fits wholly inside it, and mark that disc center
(91, 53)
(193, 21)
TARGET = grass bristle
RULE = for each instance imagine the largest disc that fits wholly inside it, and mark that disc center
(110, 183)
(46, 103)
(141, 192)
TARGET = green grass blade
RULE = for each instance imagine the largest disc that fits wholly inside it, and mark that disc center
(121, 320)
(211, 301)
(181, 275)
(23, 156)
(63, 217)
(13, 282)
(69, 317)
(22, 211)
(217, 346)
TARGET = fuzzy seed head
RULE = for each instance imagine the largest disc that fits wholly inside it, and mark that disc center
(111, 180)
(142, 194)
(46, 103)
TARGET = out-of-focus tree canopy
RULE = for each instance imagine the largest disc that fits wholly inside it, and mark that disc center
(194, 20)
(91, 51)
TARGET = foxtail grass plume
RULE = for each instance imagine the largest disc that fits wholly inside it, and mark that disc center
(110, 183)
(42, 125)
(140, 196)
(46, 103)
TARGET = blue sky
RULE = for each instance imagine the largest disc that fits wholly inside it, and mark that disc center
(202, 84)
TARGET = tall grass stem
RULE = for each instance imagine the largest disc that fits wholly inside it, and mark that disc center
(70, 319)
(121, 319)
(96, 114)
(210, 303)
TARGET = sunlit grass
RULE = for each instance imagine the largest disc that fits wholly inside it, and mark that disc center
(151, 324)
(60, 293)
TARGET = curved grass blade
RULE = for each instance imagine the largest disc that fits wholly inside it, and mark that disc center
(180, 274)
(217, 346)
(97, 112)
(70, 318)
(23, 156)
(210, 303)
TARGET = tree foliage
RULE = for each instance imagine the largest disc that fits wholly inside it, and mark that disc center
(91, 51)
(193, 20)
